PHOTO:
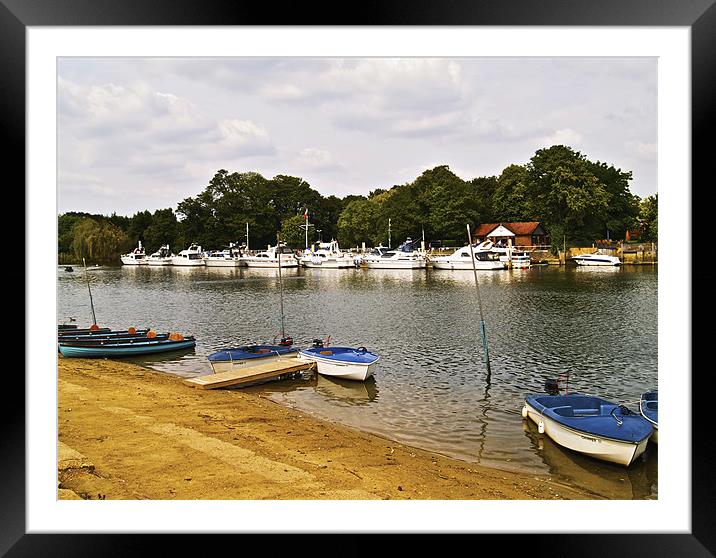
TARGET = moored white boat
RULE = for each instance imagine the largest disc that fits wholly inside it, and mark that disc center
(590, 425)
(135, 257)
(596, 259)
(327, 255)
(403, 257)
(649, 409)
(161, 257)
(270, 258)
(341, 362)
(192, 256)
(230, 257)
(485, 258)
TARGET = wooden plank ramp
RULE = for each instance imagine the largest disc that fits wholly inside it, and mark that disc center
(249, 374)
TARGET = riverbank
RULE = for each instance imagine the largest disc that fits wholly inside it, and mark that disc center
(127, 432)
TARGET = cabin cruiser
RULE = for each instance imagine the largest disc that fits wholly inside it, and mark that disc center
(163, 256)
(403, 257)
(192, 256)
(135, 257)
(270, 257)
(485, 258)
(596, 259)
(326, 254)
(231, 257)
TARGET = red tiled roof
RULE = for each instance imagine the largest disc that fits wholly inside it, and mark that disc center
(520, 228)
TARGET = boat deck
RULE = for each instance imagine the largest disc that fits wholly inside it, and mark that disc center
(250, 374)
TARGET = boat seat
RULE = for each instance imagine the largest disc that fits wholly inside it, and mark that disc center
(585, 412)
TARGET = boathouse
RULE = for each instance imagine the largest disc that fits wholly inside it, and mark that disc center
(525, 234)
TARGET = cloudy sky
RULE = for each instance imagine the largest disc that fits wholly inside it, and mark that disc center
(141, 133)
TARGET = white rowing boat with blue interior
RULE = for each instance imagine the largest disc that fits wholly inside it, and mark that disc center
(224, 360)
(341, 362)
(590, 425)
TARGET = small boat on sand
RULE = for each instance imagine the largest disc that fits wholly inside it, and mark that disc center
(65, 330)
(590, 425)
(247, 355)
(113, 348)
(341, 362)
(649, 409)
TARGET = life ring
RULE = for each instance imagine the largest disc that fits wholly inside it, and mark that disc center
(131, 331)
(151, 334)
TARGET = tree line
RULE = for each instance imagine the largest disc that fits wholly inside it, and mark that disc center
(573, 197)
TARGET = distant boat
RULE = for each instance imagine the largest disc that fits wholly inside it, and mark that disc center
(230, 257)
(406, 256)
(327, 255)
(270, 257)
(68, 268)
(342, 362)
(113, 348)
(246, 355)
(596, 259)
(590, 425)
(485, 258)
(135, 257)
(161, 257)
(649, 409)
(189, 257)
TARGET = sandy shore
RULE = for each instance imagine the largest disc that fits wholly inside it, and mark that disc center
(126, 432)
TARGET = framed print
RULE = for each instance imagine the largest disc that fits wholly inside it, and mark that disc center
(204, 172)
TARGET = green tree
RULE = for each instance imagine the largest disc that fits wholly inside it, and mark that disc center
(163, 230)
(292, 234)
(356, 223)
(510, 198)
(98, 241)
(648, 218)
(565, 193)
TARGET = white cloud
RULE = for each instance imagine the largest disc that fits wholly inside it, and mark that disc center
(316, 159)
(566, 136)
(645, 150)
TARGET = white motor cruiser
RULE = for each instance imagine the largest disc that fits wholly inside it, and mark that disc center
(596, 259)
(403, 257)
(135, 257)
(270, 257)
(231, 257)
(161, 257)
(485, 258)
(327, 255)
(190, 257)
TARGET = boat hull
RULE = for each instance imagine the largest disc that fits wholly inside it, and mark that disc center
(185, 262)
(343, 370)
(453, 265)
(271, 263)
(219, 366)
(132, 261)
(222, 263)
(122, 351)
(157, 262)
(395, 264)
(604, 261)
(329, 263)
(605, 449)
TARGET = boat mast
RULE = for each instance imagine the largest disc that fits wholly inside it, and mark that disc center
(479, 302)
(247, 237)
(280, 284)
(94, 319)
(389, 246)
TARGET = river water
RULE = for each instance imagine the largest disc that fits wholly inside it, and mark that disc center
(431, 388)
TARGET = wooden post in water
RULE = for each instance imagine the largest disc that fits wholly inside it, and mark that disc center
(94, 319)
(280, 283)
(479, 302)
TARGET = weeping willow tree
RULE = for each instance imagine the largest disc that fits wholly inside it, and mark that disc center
(97, 241)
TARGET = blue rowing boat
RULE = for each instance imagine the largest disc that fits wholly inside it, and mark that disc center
(649, 409)
(246, 355)
(590, 425)
(120, 348)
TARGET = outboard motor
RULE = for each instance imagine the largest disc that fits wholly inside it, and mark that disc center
(286, 341)
(317, 343)
(551, 386)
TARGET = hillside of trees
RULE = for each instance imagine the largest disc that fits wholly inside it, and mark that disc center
(573, 197)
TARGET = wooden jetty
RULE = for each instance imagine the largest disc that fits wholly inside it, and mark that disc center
(249, 374)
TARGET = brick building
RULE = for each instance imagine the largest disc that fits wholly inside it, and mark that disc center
(528, 234)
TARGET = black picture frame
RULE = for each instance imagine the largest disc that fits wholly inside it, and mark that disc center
(699, 15)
